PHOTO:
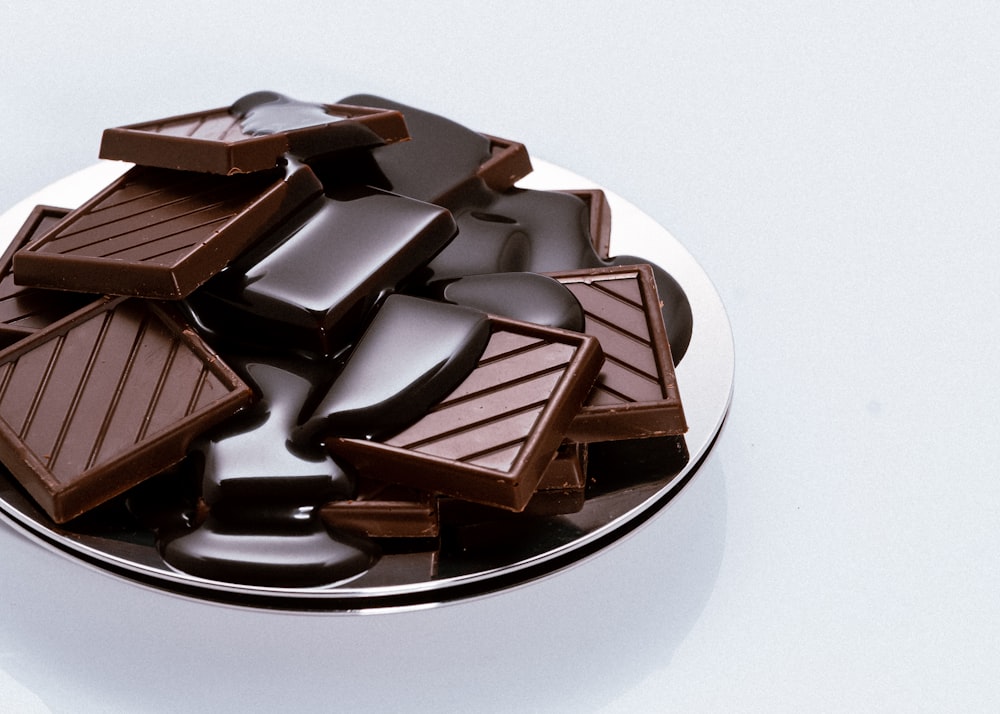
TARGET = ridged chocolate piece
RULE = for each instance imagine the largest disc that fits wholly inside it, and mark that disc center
(636, 395)
(25, 310)
(216, 141)
(492, 438)
(160, 234)
(106, 398)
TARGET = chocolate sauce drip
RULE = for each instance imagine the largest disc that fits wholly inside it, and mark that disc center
(263, 491)
(271, 113)
(414, 353)
(521, 296)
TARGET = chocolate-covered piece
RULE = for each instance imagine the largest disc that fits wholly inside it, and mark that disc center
(443, 155)
(528, 297)
(251, 135)
(384, 510)
(311, 284)
(636, 395)
(25, 310)
(160, 234)
(413, 354)
(491, 439)
(100, 401)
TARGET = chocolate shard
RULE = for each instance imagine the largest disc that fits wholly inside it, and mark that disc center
(312, 283)
(491, 439)
(252, 135)
(102, 400)
(25, 310)
(160, 234)
(636, 395)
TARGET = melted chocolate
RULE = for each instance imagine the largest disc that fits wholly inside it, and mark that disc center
(414, 353)
(270, 113)
(263, 492)
(311, 283)
(521, 296)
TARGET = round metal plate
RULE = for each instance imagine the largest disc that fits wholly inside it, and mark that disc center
(647, 476)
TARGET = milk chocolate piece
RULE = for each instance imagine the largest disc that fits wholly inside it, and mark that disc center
(384, 510)
(312, 283)
(25, 310)
(492, 438)
(106, 398)
(636, 395)
(160, 234)
(442, 156)
(233, 140)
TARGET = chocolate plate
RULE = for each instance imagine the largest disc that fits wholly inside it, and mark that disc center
(478, 557)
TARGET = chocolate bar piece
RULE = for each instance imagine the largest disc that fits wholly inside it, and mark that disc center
(251, 135)
(160, 234)
(311, 284)
(384, 510)
(636, 395)
(106, 398)
(600, 218)
(25, 310)
(491, 439)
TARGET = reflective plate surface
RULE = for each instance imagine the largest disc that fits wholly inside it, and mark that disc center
(638, 480)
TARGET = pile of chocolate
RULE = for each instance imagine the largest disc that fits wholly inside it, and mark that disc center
(295, 336)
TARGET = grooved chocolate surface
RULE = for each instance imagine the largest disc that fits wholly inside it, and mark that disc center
(636, 394)
(25, 310)
(214, 141)
(490, 440)
(97, 403)
(159, 233)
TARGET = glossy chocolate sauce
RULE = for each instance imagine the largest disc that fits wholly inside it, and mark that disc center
(265, 113)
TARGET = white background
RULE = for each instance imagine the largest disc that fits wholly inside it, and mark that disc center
(834, 167)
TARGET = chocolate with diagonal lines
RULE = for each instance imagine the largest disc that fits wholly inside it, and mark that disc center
(158, 233)
(104, 399)
(490, 440)
(636, 394)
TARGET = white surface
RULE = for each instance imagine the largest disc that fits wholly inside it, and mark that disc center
(836, 171)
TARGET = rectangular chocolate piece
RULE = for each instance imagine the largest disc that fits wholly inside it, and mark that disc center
(600, 218)
(636, 395)
(384, 510)
(25, 310)
(213, 141)
(492, 438)
(106, 398)
(160, 234)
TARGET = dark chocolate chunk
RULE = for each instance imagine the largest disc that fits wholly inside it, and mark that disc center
(413, 354)
(491, 439)
(160, 234)
(311, 284)
(636, 395)
(99, 402)
(25, 310)
(251, 135)
(528, 297)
